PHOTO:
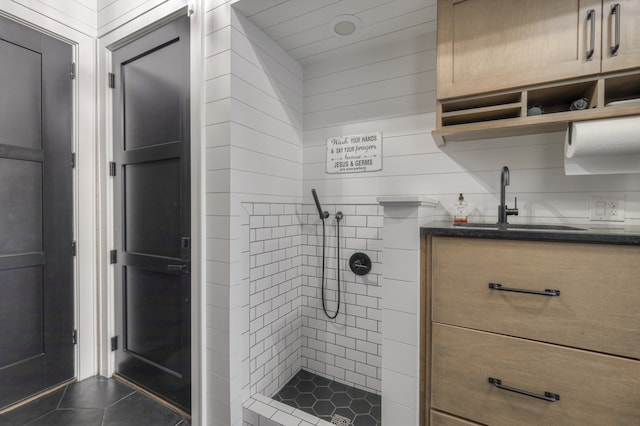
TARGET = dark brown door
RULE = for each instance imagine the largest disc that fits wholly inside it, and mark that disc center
(152, 190)
(36, 233)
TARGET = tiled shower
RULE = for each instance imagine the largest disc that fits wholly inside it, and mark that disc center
(288, 329)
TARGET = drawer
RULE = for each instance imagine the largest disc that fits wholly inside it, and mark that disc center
(442, 419)
(593, 389)
(596, 309)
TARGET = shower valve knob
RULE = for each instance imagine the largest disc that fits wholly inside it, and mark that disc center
(360, 263)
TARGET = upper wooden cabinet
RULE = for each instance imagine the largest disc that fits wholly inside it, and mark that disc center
(514, 67)
(620, 35)
(488, 45)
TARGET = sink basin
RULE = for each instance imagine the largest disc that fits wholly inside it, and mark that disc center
(517, 226)
(549, 227)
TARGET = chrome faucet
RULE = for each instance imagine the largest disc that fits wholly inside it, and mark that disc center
(503, 210)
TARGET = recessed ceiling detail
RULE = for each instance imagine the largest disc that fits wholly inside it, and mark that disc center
(311, 31)
(345, 25)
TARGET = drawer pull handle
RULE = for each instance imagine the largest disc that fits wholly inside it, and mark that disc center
(548, 396)
(546, 292)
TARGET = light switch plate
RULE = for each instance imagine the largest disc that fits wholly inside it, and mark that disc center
(606, 208)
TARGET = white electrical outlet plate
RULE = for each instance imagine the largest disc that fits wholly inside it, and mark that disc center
(606, 208)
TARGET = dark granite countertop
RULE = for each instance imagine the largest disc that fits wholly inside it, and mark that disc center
(590, 233)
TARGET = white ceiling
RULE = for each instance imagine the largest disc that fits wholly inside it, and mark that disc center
(301, 27)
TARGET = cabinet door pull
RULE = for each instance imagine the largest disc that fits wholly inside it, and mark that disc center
(591, 17)
(548, 396)
(615, 10)
(546, 292)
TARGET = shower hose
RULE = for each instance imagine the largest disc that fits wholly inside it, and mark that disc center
(324, 244)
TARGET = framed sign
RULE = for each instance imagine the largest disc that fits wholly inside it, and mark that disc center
(354, 153)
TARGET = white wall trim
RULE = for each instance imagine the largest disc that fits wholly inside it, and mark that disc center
(198, 217)
(132, 29)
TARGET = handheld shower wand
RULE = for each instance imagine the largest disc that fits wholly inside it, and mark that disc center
(323, 214)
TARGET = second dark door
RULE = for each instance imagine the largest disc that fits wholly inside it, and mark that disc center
(36, 215)
(152, 218)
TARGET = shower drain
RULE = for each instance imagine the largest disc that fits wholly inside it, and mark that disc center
(337, 419)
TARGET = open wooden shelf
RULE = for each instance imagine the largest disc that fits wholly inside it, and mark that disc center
(488, 113)
(505, 114)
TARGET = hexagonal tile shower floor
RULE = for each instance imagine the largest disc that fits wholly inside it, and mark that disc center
(325, 399)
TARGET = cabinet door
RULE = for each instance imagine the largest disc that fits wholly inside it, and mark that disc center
(487, 45)
(621, 28)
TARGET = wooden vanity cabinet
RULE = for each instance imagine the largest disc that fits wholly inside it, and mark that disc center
(556, 321)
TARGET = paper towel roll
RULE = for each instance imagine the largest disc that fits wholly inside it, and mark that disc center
(609, 146)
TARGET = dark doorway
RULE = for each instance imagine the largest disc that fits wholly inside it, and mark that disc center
(152, 219)
(36, 213)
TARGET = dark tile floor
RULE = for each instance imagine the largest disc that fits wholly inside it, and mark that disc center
(325, 398)
(96, 401)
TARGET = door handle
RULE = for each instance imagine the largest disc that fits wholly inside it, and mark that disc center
(176, 268)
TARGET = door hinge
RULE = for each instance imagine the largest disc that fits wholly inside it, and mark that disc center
(73, 70)
(112, 168)
(74, 336)
(73, 160)
(74, 248)
(112, 80)
(113, 256)
(114, 343)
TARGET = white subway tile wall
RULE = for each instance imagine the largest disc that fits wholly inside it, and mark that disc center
(346, 349)
(274, 295)
(288, 328)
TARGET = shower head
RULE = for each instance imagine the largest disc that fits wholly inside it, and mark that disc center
(323, 214)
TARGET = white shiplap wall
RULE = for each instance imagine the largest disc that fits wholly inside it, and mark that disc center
(253, 137)
(114, 13)
(77, 14)
(266, 86)
(219, 296)
(392, 89)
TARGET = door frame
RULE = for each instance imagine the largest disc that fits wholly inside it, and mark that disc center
(120, 36)
(84, 189)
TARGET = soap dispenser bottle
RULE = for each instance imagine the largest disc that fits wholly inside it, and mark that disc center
(461, 211)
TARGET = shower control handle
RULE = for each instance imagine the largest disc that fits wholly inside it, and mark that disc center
(360, 263)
